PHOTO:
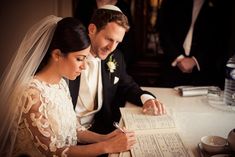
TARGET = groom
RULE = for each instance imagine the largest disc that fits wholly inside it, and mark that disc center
(105, 86)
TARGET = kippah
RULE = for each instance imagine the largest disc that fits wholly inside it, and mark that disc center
(110, 7)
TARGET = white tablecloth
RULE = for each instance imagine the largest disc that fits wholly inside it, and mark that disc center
(194, 117)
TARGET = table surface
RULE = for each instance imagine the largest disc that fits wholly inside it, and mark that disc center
(194, 116)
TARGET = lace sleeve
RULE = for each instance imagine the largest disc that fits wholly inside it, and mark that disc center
(37, 123)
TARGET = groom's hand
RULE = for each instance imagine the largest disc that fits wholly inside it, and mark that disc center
(154, 107)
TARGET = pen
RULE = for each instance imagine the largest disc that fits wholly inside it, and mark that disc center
(115, 124)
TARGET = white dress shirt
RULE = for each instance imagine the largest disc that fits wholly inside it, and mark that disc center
(197, 5)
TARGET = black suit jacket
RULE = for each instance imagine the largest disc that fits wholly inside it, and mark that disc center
(208, 42)
(114, 95)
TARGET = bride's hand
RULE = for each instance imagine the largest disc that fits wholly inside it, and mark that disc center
(119, 141)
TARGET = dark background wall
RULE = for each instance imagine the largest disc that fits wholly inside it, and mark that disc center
(18, 16)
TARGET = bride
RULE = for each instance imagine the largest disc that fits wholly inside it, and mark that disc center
(37, 116)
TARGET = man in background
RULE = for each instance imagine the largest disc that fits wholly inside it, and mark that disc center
(194, 39)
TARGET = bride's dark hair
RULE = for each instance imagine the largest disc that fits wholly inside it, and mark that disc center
(70, 35)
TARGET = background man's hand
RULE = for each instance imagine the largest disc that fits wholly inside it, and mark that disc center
(186, 64)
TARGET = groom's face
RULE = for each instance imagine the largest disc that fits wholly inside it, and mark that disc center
(105, 41)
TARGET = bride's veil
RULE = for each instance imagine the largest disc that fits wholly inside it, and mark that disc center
(17, 74)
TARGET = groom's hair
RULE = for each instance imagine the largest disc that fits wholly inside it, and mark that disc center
(101, 17)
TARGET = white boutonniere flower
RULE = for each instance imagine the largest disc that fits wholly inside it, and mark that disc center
(112, 64)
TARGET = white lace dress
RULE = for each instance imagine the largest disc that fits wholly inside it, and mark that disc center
(48, 125)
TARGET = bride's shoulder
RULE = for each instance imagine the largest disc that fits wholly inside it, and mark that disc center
(34, 86)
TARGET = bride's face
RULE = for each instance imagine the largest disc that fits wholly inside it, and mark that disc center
(71, 66)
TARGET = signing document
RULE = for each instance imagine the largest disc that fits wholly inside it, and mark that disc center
(155, 135)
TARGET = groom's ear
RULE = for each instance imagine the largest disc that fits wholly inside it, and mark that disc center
(92, 29)
(56, 54)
